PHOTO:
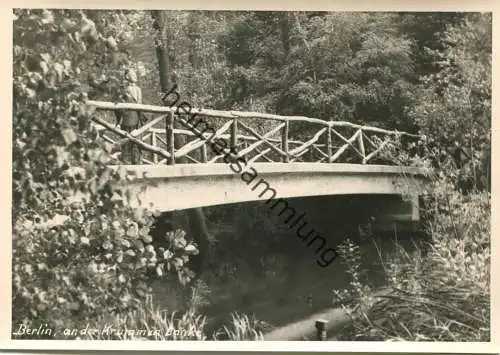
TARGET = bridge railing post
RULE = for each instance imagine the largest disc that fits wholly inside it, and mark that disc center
(284, 141)
(361, 146)
(153, 143)
(204, 154)
(170, 125)
(234, 134)
(329, 143)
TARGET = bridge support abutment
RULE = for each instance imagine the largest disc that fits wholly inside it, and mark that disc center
(399, 215)
(345, 216)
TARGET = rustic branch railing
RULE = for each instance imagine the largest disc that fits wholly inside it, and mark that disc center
(251, 135)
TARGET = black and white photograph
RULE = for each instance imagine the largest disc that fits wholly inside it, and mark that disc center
(227, 175)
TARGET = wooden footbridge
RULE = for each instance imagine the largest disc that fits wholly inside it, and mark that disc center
(211, 156)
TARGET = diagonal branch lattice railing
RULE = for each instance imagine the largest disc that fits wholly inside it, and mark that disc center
(256, 136)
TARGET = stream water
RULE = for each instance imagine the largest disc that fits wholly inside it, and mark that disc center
(287, 286)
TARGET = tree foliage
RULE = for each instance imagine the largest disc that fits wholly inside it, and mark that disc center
(455, 105)
(340, 66)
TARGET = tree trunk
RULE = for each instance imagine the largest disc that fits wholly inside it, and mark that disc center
(197, 228)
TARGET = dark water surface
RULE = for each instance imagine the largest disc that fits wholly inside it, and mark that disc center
(289, 287)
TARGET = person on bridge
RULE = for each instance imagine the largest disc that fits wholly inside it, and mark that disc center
(130, 120)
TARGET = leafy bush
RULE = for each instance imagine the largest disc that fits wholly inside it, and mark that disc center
(79, 250)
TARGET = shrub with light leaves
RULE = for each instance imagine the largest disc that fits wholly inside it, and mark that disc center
(79, 250)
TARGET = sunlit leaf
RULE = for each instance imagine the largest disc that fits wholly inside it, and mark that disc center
(133, 230)
(159, 269)
(191, 250)
(130, 252)
(147, 239)
(167, 255)
(69, 135)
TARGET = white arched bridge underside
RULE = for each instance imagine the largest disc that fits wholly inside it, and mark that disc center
(184, 186)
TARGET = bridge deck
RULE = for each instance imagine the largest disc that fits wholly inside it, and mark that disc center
(189, 170)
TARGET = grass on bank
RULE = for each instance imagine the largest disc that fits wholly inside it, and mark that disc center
(152, 322)
(440, 294)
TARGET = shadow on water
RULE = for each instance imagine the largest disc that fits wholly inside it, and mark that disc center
(282, 286)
